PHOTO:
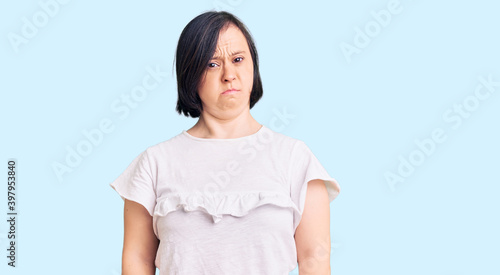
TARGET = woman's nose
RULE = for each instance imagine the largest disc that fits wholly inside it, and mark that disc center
(229, 73)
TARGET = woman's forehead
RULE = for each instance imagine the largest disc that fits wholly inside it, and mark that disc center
(231, 41)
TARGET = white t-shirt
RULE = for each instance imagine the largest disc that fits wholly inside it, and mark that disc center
(224, 206)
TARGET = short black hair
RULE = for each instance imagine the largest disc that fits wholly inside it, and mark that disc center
(196, 47)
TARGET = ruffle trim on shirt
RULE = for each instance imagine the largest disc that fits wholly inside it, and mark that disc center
(220, 204)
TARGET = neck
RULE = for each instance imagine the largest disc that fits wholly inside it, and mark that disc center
(209, 126)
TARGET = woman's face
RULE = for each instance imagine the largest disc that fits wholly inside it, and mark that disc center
(230, 68)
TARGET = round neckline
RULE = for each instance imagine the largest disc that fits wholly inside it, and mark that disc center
(184, 132)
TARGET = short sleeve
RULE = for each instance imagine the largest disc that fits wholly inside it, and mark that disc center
(137, 183)
(304, 167)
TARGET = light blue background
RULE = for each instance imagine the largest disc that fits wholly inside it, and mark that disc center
(357, 117)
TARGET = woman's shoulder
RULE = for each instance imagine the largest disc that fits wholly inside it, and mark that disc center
(285, 141)
(168, 146)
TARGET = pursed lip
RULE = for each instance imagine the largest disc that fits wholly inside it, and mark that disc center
(230, 90)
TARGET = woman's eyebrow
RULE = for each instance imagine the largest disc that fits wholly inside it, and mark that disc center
(232, 54)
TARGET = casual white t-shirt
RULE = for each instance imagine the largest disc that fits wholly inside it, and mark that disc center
(224, 206)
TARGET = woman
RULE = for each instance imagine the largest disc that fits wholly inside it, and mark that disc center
(229, 195)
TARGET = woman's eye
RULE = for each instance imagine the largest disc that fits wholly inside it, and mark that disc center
(213, 65)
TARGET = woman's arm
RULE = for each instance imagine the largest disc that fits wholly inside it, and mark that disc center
(312, 237)
(139, 242)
